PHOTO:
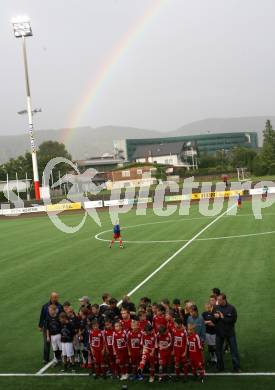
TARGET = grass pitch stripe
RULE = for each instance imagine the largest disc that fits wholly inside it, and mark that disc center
(177, 252)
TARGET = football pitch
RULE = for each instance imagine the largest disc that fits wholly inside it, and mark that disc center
(235, 253)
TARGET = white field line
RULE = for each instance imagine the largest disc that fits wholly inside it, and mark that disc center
(44, 368)
(98, 235)
(177, 253)
(199, 239)
(248, 374)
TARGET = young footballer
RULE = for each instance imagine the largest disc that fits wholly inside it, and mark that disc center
(142, 320)
(148, 343)
(126, 322)
(195, 352)
(97, 347)
(67, 337)
(53, 327)
(164, 344)
(159, 319)
(134, 347)
(109, 350)
(121, 350)
(116, 236)
(180, 348)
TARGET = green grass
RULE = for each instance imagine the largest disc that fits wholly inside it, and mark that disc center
(74, 383)
(36, 258)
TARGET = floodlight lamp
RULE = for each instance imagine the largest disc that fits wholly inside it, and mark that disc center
(21, 27)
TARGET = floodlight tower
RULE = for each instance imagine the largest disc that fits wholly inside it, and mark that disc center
(22, 29)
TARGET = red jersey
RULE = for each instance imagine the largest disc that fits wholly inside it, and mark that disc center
(96, 339)
(170, 325)
(158, 321)
(108, 337)
(126, 324)
(134, 340)
(179, 341)
(119, 341)
(195, 349)
(164, 343)
(148, 341)
(142, 324)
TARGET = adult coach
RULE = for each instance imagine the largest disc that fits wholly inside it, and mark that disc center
(226, 317)
(54, 300)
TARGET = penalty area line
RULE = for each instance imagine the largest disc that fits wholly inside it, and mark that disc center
(177, 252)
(44, 368)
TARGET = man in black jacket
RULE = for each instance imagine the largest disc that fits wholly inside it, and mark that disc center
(43, 323)
(226, 317)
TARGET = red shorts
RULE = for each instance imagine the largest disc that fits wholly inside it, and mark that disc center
(97, 356)
(164, 358)
(117, 236)
(135, 357)
(122, 357)
(147, 359)
(196, 360)
(179, 358)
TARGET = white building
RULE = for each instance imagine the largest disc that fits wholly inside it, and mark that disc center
(173, 153)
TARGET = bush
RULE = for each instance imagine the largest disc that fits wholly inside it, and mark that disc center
(271, 169)
(259, 167)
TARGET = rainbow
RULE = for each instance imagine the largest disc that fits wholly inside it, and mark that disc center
(104, 74)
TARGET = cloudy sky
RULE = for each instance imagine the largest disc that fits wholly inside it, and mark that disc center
(153, 64)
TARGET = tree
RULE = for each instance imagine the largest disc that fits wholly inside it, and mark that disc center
(259, 167)
(49, 150)
(268, 150)
(242, 157)
(207, 161)
(23, 164)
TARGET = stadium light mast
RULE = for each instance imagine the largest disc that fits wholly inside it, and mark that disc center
(22, 29)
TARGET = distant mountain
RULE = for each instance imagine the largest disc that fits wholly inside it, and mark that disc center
(225, 125)
(86, 142)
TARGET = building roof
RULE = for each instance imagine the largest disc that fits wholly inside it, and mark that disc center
(156, 150)
(97, 161)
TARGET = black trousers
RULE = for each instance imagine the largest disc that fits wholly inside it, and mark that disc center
(47, 347)
(232, 341)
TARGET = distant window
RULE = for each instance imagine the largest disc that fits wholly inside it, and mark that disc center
(139, 171)
(125, 173)
(166, 161)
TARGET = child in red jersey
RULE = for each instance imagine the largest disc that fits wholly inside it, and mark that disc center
(97, 347)
(164, 344)
(134, 346)
(159, 319)
(109, 351)
(121, 350)
(142, 320)
(125, 320)
(170, 320)
(195, 352)
(148, 343)
(180, 348)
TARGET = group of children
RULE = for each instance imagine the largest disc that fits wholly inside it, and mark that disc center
(125, 342)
